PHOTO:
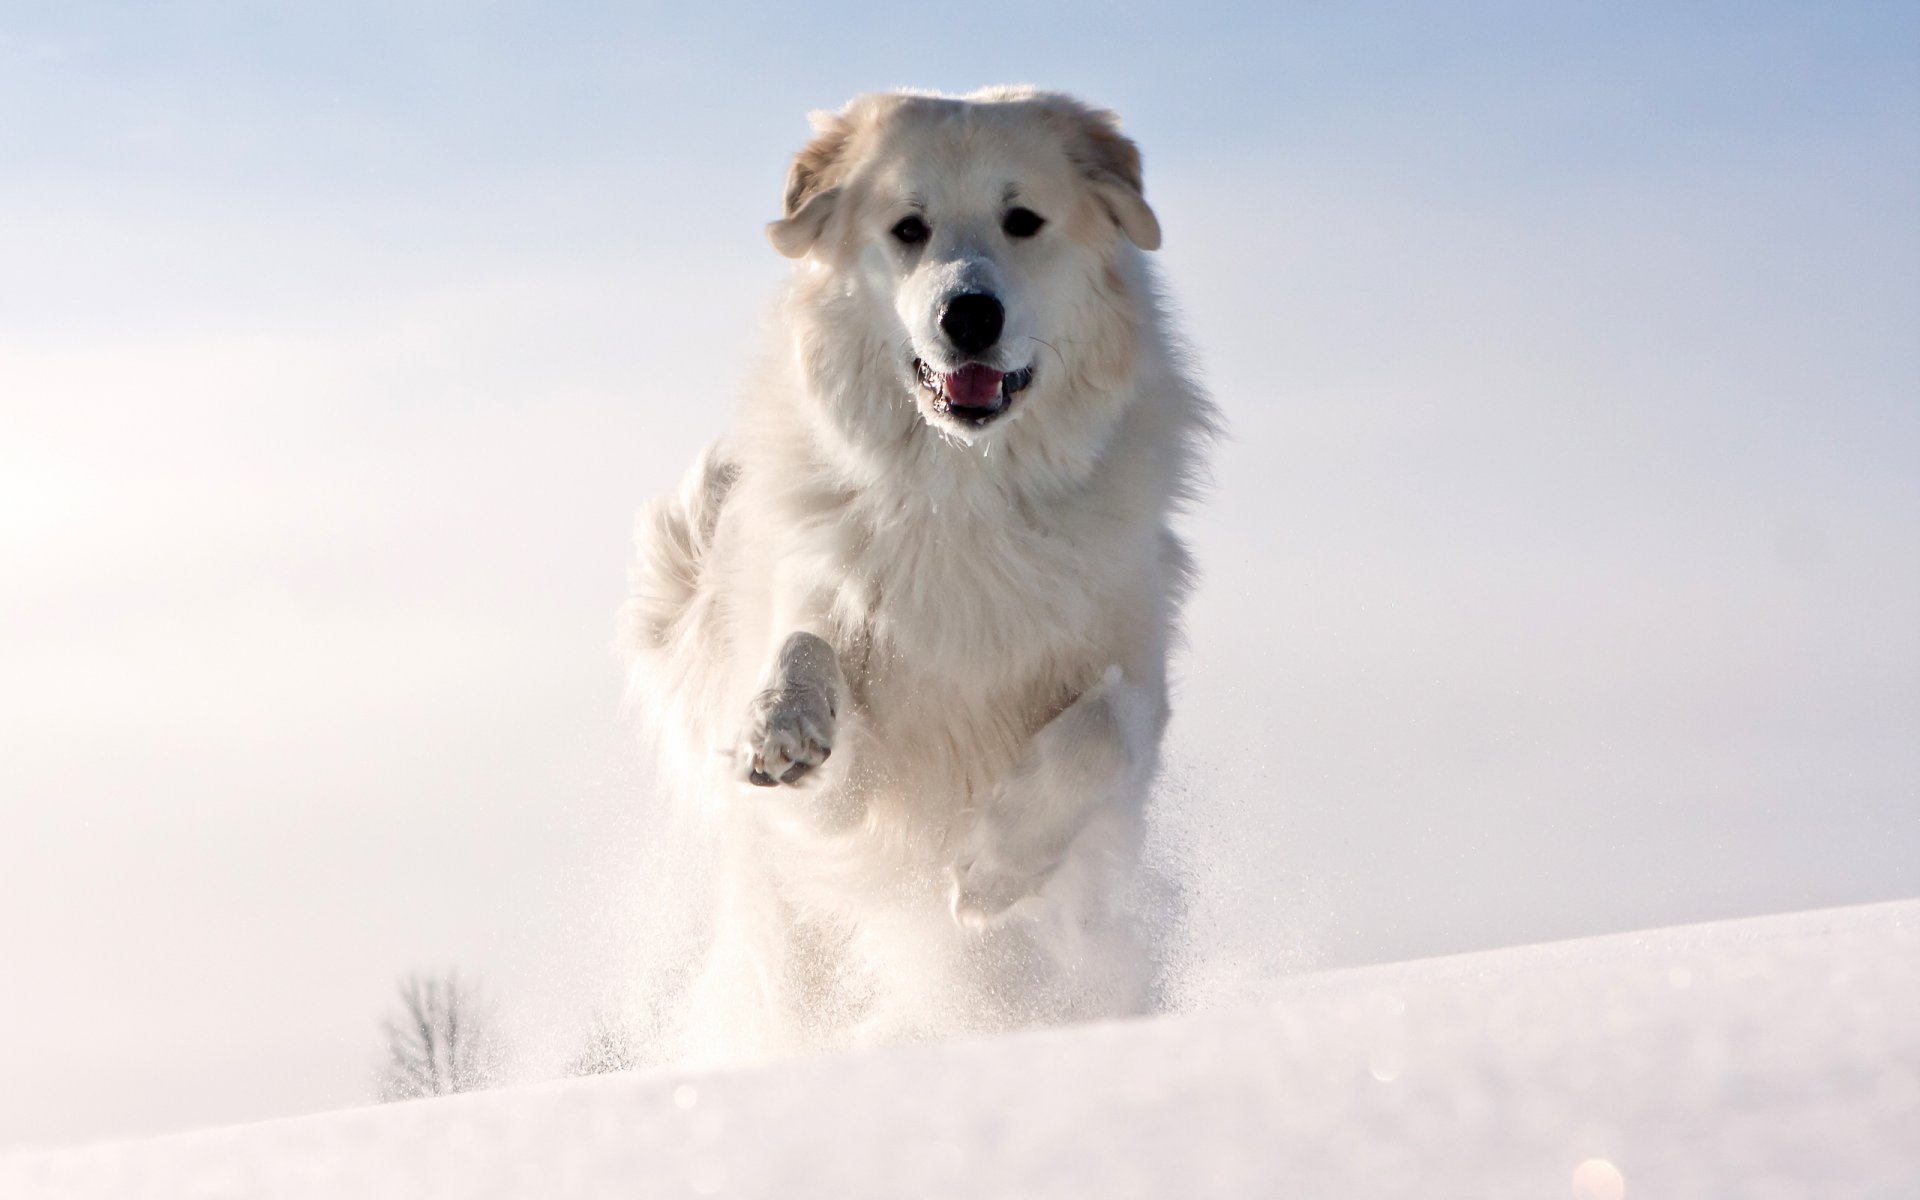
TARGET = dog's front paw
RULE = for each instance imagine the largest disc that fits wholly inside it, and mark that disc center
(789, 733)
(985, 886)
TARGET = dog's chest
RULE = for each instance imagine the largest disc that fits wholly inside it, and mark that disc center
(976, 597)
(970, 639)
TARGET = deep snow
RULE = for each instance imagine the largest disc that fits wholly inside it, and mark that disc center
(1772, 1057)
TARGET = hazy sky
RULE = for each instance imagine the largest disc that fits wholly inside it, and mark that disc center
(1562, 573)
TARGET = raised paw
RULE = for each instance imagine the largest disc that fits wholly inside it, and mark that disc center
(789, 733)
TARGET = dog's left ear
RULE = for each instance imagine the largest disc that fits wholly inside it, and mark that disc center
(1111, 163)
(812, 187)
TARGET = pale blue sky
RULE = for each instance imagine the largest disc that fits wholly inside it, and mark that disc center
(1561, 575)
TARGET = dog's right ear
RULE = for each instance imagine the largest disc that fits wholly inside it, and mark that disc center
(813, 186)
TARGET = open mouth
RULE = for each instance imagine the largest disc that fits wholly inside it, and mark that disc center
(975, 394)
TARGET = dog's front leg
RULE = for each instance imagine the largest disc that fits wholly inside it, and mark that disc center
(1100, 750)
(793, 717)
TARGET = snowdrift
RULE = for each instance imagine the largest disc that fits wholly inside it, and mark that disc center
(1775, 1057)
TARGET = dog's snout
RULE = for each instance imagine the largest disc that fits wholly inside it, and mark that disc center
(972, 322)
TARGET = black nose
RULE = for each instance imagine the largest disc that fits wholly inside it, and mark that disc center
(972, 322)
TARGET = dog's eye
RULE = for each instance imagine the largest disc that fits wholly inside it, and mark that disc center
(910, 231)
(1022, 222)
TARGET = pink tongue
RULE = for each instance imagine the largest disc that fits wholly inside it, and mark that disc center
(973, 386)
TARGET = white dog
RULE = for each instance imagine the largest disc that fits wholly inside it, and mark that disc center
(922, 597)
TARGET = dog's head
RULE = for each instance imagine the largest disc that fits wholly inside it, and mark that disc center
(975, 240)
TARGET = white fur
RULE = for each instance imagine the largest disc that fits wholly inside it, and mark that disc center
(963, 632)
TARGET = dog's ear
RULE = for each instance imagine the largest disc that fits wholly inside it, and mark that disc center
(813, 187)
(1111, 163)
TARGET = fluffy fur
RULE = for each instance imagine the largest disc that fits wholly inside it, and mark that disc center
(942, 642)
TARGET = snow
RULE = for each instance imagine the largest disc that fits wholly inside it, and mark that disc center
(1769, 1057)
